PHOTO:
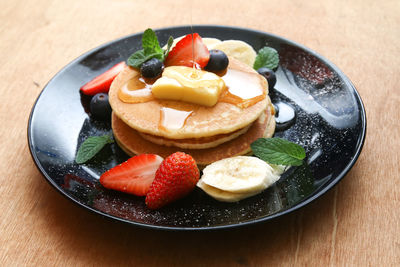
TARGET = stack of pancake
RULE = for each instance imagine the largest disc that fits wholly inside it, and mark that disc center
(208, 134)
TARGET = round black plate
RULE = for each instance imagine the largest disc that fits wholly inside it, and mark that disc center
(330, 124)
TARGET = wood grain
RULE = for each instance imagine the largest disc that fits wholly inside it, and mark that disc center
(355, 224)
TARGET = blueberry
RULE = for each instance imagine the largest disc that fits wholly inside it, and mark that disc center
(218, 61)
(100, 107)
(151, 68)
(269, 75)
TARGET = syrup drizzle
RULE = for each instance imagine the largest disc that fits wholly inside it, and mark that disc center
(191, 28)
(172, 119)
(242, 88)
(136, 90)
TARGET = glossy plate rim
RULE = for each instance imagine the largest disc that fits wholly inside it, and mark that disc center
(298, 206)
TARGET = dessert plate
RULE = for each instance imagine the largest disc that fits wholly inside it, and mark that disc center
(330, 123)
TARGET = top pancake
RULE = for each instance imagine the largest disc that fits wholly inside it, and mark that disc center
(203, 122)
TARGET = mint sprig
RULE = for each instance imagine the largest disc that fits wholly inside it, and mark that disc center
(91, 146)
(266, 57)
(278, 151)
(151, 49)
(169, 44)
(139, 57)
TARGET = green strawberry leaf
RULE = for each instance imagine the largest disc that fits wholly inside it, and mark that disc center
(267, 57)
(278, 151)
(91, 146)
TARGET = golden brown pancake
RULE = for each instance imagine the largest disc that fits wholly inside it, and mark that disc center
(223, 118)
(133, 143)
(195, 143)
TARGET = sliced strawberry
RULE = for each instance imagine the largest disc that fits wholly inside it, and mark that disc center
(101, 84)
(133, 176)
(182, 53)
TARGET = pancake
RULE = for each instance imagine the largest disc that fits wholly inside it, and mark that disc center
(133, 143)
(195, 143)
(223, 118)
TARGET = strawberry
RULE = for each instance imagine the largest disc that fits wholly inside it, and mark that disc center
(182, 53)
(175, 178)
(102, 83)
(133, 176)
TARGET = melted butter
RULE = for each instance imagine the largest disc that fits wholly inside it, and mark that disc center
(136, 90)
(172, 119)
(189, 85)
(193, 78)
(243, 89)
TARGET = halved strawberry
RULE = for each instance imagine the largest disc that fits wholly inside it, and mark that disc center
(182, 53)
(133, 176)
(101, 84)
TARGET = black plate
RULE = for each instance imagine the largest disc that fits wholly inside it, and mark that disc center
(330, 123)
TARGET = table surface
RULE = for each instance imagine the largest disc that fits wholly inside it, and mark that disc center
(356, 223)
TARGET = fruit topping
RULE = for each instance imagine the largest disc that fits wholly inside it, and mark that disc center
(101, 84)
(151, 68)
(133, 176)
(269, 75)
(189, 85)
(218, 61)
(100, 107)
(233, 179)
(238, 50)
(175, 178)
(188, 52)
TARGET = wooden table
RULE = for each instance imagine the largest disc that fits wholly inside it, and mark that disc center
(356, 223)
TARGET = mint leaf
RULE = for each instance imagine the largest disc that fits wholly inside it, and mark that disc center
(91, 146)
(150, 43)
(136, 59)
(169, 44)
(267, 57)
(139, 57)
(160, 56)
(278, 151)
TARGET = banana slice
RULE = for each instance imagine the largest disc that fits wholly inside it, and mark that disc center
(241, 174)
(236, 49)
(208, 41)
(240, 177)
(224, 196)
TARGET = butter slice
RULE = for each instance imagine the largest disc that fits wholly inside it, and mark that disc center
(188, 85)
